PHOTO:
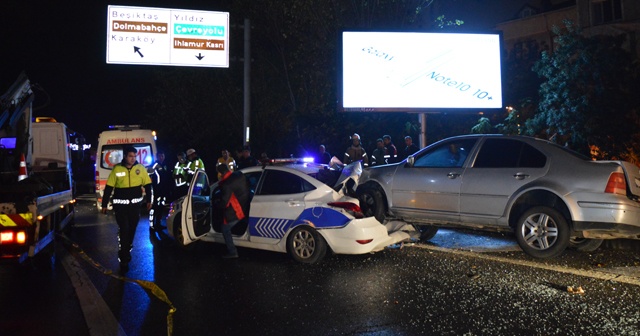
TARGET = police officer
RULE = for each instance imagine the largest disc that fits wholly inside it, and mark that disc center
(126, 181)
(355, 152)
(179, 176)
(162, 186)
(195, 164)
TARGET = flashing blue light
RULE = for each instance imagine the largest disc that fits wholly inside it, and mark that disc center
(148, 161)
(308, 159)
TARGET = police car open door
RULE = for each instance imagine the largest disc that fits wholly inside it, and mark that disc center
(196, 209)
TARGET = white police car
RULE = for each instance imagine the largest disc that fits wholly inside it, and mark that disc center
(293, 210)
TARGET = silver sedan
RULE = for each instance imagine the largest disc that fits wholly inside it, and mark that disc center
(549, 196)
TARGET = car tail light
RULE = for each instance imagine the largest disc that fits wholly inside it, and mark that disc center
(21, 237)
(11, 237)
(364, 241)
(6, 237)
(352, 208)
(617, 184)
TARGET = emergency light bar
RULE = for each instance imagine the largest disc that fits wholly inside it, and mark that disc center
(292, 160)
(124, 127)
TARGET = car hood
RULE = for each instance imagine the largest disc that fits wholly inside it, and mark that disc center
(348, 180)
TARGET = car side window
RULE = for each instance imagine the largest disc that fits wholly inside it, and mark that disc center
(201, 186)
(449, 154)
(253, 179)
(276, 182)
(509, 153)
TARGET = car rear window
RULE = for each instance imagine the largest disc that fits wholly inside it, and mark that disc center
(509, 153)
(277, 182)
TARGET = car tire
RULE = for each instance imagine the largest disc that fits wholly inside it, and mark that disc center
(372, 204)
(306, 245)
(584, 244)
(426, 232)
(542, 232)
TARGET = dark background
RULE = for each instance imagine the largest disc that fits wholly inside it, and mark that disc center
(62, 48)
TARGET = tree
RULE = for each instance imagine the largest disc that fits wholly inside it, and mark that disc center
(587, 95)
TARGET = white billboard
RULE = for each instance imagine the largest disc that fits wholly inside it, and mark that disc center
(414, 71)
(160, 36)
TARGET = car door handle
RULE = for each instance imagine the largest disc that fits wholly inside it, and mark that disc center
(520, 176)
(294, 203)
(453, 175)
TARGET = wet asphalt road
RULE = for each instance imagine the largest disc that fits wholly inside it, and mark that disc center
(461, 283)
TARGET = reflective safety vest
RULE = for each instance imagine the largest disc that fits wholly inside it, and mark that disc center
(127, 185)
(194, 166)
(179, 174)
(230, 162)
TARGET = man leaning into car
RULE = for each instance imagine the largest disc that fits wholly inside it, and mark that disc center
(234, 201)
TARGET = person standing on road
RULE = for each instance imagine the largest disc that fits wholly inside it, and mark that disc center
(410, 148)
(234, 201)
(226, 159)
(127, 180)
(195, 164)
(355, 152)
(179, 176)
(377, 157)
(162, 187)
(246, 160)
(392, 151)
(324, 157)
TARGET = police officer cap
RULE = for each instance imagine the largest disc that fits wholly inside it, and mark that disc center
(191, 151)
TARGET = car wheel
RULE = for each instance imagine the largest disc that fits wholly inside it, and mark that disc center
(372, 204)
(542, 232)
(584, 244)
(426, 232)
(306, 245)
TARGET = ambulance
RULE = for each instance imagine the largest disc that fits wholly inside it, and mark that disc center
(109, 152)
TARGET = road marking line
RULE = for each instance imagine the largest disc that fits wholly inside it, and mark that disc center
(97, 314)
(149, 286)
(580, 272)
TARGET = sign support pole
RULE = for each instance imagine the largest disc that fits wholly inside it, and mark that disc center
(423, 129)
(247, 81)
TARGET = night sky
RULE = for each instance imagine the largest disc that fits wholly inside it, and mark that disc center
(61, 45)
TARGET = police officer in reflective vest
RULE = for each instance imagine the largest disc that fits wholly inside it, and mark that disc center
(127, 181)
(195, 164)
(179, 176)
(162, 183)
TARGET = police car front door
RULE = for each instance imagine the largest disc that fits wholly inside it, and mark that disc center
(196, 210)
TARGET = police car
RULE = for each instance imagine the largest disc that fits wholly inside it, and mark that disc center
(300, 208)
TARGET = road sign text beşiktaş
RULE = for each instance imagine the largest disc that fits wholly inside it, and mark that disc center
(158, 36)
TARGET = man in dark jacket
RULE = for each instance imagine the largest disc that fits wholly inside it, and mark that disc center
(234, 200)
(410, 148)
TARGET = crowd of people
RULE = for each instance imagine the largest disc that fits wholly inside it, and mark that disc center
(385, 151)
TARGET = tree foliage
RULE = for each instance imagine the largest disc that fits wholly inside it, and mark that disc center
(587, 95)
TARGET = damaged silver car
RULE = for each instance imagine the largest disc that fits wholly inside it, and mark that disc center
(548, 195)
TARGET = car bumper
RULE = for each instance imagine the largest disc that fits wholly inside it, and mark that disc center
(608, 220)
(361, 236)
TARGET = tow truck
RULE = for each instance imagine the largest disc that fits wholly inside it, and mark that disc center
(36, 185)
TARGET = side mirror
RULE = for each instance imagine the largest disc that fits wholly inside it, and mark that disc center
(411, 160)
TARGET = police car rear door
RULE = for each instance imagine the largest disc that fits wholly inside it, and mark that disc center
(196, 209)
